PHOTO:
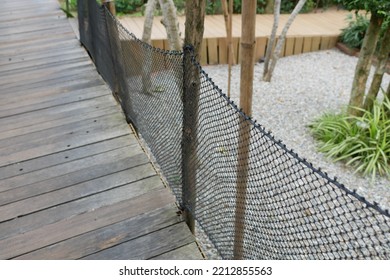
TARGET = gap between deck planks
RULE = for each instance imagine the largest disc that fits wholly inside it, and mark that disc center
(74, 181)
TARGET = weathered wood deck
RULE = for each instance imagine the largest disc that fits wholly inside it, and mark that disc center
(309, 32)
(74, 181)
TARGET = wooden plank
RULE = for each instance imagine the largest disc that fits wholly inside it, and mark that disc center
(70, 169)
(333, 41)
(85, 222)
(203, 56)
(261, 44)
(63, 195)
(70, 173)
(158, 44)
(53, 126)
(106, 237)
(104, 109)
(52, 63)
(71, 82)
(147, 246)
(9, 80)
(325, 42)
(59, 144)
(73, 208)
(66, 156)
(46, 101)
(212, 50)
(306, 44)
(34, 139)
(289, 50)
(222, 51)
(315, 44)
(18, 62)
(237, 49)
(182, 253)
(298, 46)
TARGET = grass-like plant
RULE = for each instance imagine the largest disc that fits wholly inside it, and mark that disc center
(363, 142)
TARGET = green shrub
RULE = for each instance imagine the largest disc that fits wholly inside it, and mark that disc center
(353, 35)
(287, 6)
(128, 6)
(363, 142)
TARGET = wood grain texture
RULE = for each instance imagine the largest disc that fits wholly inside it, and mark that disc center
(327, 23)
(74, 181)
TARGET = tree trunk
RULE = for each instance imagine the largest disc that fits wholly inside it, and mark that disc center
(270, 6)
(171, 24)
(282, 37)
(194, 27)
(248, 43)
(388, 92)
(228, 14)
(148, 23)
(271, 41)
(147, 55)
(380, 70)
(363, 66)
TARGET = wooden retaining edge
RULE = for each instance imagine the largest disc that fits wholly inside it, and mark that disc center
(214, 50)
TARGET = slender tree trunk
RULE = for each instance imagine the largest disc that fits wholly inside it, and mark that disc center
(380, 70)
(231, 57)
(388, 92)
(225, 14)
(194, 28)
(363, 66)
(148, 23)
(228, 14)
(248, 43)
(270, 6)
(282, 37)
(271, 42)
(171, 24)
(147, 55)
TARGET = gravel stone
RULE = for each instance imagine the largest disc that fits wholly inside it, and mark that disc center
(304, 87)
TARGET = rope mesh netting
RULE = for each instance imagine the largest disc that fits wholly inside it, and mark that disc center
(291, 210)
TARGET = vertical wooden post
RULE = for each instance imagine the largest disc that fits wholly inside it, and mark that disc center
(228, 15)
(231, 59)
(194, 27)
(110, 4)
(248, 42)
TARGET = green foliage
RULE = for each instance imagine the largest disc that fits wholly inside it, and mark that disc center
(128, 6)
(363, 142)
(287, 6)
(237, 6)
(353, 35)
(381, 7)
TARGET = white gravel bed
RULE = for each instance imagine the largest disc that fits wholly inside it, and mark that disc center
(303, 88)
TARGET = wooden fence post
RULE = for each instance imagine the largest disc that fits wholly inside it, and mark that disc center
(110, 4)
(194, 27)
(248, 42)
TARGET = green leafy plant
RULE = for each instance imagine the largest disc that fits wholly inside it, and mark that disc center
(353, 35)
(363, 142)
(128, 6)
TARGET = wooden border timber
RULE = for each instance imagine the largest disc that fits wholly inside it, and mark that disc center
(214, 50)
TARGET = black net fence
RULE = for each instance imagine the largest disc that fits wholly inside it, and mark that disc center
(252, 196)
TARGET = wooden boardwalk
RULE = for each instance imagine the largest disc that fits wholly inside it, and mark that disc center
(74, 181)
(309, 32)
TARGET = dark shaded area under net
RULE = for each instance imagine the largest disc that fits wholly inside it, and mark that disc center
(292, 210)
